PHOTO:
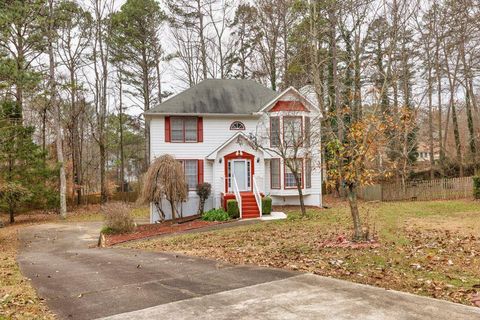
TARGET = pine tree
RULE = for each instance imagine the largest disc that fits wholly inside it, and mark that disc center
(23, 173)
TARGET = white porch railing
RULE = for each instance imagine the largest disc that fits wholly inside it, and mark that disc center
(258, 196)
(238, 196)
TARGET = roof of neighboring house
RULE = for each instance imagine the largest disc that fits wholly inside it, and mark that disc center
(216, 96)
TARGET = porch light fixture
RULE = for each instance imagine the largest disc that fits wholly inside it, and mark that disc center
(258, 159)
(237, 153)
(220, 160)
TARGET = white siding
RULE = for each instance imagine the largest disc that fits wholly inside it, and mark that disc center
(216, 131)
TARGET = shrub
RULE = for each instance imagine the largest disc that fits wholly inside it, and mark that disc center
(476, 187)
(266, 205)
(203, 192)
(215, 215)
(232, 209)
(117, 218)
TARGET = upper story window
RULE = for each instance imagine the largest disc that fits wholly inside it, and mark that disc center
(183, 129)
(237, 125)
(275, 131)
(292, 131)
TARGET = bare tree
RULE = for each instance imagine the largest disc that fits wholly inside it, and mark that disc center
(73, 27)
(100, 56)
(57, 116)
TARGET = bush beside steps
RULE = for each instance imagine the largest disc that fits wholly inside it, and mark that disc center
(266, 205)
(232, 209)
(215, 215)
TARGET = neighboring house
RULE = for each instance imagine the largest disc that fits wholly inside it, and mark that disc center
(423, 150)
(211, 127)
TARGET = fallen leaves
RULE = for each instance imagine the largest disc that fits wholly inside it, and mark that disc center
(18, 299)
(423, 260)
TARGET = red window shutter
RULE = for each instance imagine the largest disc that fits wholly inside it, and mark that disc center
(167, 129)
(200, 129)
(200, 171)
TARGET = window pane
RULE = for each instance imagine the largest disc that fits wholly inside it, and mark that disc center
(307, 131)
(292, 128)
(290, 177)
(275, 131)
(308, 173)
(275, 173)
(177, 129)
(191, 169)
(191, 129)
(237, 125)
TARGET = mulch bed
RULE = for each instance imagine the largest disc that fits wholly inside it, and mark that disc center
(150, 230)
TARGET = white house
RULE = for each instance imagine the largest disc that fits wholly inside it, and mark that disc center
(225, 132)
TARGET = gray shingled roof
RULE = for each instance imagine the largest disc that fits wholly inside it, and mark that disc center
(218, 96)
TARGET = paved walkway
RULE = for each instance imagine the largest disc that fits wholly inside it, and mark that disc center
(81, 282)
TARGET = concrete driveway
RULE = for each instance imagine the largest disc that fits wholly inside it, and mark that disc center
(80, 281)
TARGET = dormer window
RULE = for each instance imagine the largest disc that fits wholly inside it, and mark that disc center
(237, 125)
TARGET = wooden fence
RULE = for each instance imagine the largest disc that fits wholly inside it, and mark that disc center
(440, 189)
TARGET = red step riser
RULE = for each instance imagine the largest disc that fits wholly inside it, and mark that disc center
(249, 206)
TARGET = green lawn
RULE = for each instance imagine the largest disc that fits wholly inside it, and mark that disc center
(428, 248)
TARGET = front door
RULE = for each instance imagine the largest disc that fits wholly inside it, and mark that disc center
(240, 173)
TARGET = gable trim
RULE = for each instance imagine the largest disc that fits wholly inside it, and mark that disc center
(213, 154)
(288, 106)
(307, 103)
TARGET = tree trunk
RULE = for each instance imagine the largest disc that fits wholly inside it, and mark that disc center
(122, 157)
(57, 118)
(358, 234)
(203, 49)
(430, 123)
(300, 196)
(456, 134)
(11, 212)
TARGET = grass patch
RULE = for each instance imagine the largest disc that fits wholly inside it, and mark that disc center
(427, 248)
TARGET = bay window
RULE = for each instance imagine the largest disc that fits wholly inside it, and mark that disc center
(275, 131)
(275, 174)
(292, 131)
(308, 173)
(290, 176)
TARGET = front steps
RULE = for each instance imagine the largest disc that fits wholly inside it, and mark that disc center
(249, 206)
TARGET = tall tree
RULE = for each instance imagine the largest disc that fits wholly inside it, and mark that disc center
(22, 36)
(135, 42)
(246, 36)
(100, 57)
(73, 25)
(55, 107)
